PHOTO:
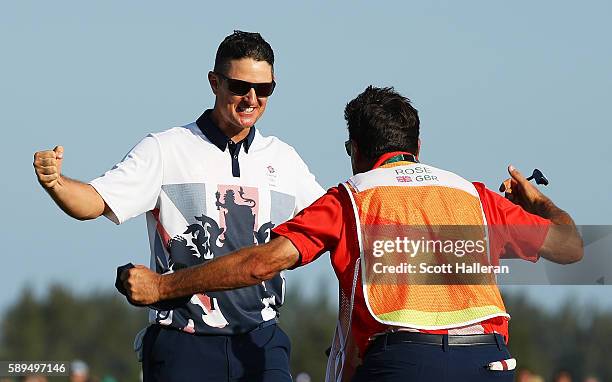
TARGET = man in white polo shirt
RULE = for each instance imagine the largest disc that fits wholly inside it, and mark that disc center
(208, 188)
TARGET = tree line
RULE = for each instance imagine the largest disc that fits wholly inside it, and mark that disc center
(99, 328)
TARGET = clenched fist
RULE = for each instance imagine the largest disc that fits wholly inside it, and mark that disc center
(141, 285)
(520, 191)
(48, 167)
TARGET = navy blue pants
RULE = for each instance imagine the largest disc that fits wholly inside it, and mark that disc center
(409, 362)
(261, 355)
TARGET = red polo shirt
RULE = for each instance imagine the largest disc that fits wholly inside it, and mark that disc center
(329, 225)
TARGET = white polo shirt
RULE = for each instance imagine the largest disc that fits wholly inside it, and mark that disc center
(197, 209)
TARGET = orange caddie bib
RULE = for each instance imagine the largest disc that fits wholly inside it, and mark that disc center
(423, 247)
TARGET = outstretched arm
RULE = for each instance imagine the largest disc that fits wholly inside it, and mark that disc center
(77, 199)
(246, 267)
(563, 243)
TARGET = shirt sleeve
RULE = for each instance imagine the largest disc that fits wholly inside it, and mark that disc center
(513, 232)
(317, 228)
(308, 189)
(132, 186)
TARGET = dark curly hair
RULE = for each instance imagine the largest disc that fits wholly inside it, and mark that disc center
(380, 120)
(243, 45)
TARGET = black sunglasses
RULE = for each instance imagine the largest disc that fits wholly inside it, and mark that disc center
(347, 146)
(241, 88)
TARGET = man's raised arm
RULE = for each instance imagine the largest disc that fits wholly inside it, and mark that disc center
(563, 243)
(77, 199)
(246, 267)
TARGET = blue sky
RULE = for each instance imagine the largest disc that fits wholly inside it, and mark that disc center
(527, 83)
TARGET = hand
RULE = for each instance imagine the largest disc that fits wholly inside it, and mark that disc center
(520, 191)
(48, 167)
(141, 285)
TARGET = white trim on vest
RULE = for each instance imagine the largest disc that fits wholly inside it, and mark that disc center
(387, 176)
